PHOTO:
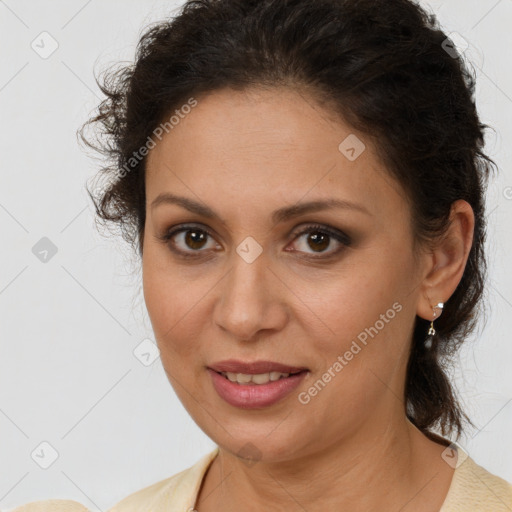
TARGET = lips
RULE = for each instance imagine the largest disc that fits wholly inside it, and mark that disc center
(255, 396)
(254, 367)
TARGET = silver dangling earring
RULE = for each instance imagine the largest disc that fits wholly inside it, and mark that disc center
(432, 331)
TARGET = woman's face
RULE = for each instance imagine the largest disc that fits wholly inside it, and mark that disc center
(241, 282)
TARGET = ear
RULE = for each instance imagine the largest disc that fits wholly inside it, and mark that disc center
(446, 261)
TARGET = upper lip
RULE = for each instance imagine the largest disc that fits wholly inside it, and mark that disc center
(254, 367)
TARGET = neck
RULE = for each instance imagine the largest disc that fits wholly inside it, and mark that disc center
(389, 466)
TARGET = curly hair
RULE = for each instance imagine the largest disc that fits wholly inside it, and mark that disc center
(388, 72)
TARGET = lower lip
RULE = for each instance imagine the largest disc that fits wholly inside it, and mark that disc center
(254, 396)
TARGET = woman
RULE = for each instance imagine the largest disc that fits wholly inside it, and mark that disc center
(304, 182)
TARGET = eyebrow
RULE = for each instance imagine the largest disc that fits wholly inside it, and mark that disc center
(280, 215)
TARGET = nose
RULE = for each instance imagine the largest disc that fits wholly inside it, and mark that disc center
(251, 299)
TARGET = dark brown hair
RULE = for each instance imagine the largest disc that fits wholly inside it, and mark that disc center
(383, 66)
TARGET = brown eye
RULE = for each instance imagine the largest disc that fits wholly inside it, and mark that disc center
(195, 238)
(191, 241)
(188, 240)
(320, 238)
(318, 241)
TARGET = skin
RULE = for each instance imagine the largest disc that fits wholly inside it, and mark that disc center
(246, 154)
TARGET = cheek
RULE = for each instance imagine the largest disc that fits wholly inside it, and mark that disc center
(344, 302)
(365, 308)
(169, 302)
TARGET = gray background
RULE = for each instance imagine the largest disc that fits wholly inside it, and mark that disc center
(69, 326)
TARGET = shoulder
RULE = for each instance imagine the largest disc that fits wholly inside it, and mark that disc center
(50, 506)
(176, 493)
(475, 489)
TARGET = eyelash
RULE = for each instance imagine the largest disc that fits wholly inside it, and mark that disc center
(339, 236)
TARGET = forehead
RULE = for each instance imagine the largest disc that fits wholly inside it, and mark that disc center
(264, 148)
(256, 124)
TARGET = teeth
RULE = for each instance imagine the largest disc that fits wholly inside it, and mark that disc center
(241, 378)
(230, 376)
(261, 378)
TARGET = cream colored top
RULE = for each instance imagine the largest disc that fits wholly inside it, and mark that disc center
(473, 489)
